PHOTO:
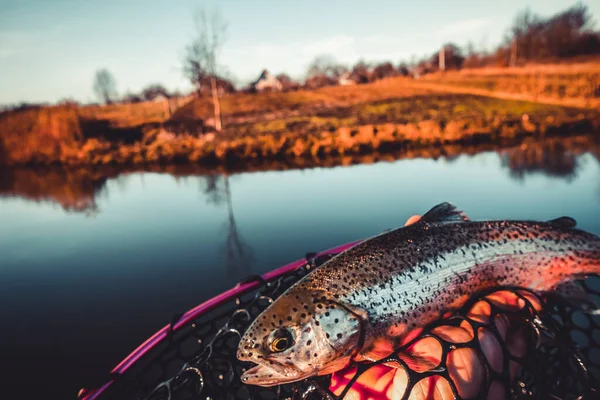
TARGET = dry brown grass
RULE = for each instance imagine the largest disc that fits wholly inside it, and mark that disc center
(522, 91)
(44, 134)
(244, 104)
(576, 85)
(134, 114)
(590, 66)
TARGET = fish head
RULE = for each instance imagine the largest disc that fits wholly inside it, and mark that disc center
(302, 334)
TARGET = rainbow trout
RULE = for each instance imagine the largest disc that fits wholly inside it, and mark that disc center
(360, 304)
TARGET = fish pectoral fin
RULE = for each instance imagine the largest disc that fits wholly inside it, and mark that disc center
(564, 222)
(386, 356)
(573, 294)
(416, 362)
(375, 354)
(444, 212)
(360, 313)
(377, 350)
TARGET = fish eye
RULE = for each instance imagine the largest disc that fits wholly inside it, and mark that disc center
(281, 339)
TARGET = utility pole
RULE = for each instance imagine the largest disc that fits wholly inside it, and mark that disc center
(216, 102)
(442, 59)
(513, 52)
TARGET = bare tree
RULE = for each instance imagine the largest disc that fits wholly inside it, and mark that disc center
(105, 86)
(201, 61)
(326, 65)
(287, 83)
(324, 71)
(565, 34)
(403, 69)
(472, 58)
(361, 72)
(384, 70)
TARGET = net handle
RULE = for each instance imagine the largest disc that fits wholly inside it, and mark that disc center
(237, 290)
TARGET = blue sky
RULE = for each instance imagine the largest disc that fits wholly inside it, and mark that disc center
(50, 49)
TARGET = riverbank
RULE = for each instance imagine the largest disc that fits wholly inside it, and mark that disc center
(380, 117)
(385, 126)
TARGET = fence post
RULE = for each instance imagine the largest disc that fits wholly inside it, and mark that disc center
(513, 53)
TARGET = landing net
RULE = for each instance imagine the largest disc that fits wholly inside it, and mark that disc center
(552, 353)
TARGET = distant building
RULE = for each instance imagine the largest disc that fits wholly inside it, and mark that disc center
(266, 81)
(423, 68)
(346, 79)
(160, 98)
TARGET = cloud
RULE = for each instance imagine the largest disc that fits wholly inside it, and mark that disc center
(466, 26)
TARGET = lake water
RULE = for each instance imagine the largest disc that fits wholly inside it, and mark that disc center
(80, 290)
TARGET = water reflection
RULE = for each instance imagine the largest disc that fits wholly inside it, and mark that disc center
(239, 255)
(553, 158)
(76, 190)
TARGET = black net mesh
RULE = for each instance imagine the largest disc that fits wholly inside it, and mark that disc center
(544, 348)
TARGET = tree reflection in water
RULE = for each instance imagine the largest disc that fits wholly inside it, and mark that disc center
(77, 190)
(239, 255)
(552, 158)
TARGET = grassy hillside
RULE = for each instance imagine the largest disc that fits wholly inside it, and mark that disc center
(453, 107)
(569, 84)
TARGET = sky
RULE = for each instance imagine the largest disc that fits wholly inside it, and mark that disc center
(51, 49)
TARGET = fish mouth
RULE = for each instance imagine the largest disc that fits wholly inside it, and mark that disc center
(261, 375)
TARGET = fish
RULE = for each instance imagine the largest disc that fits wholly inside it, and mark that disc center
(361, 304)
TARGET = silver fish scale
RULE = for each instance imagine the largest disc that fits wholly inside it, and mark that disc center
(408, 274)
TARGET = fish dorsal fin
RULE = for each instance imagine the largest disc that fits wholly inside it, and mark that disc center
(444, 212)
(564, 222)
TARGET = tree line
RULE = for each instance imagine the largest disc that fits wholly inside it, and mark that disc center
(569, 33)
(530, 38)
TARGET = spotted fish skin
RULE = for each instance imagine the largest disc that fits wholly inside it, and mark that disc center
(401, 277)
(405, 278)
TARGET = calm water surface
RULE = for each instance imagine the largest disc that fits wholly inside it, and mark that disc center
(80, 290)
